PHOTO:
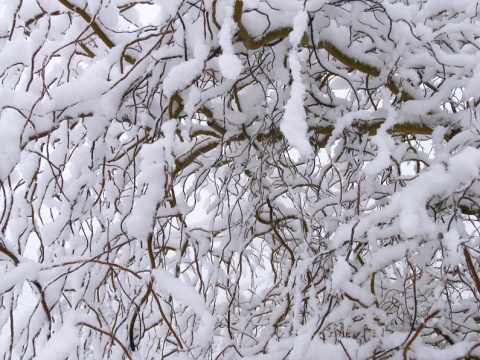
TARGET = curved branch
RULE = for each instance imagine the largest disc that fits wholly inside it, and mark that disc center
(111, 335)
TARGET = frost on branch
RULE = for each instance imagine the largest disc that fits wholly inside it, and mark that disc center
(225, 179)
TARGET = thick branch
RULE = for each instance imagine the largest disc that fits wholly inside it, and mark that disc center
(253, 44)
(96, 29)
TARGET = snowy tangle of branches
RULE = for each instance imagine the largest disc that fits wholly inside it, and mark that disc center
(224, 179)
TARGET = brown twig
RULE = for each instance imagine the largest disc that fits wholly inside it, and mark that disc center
(422, 325)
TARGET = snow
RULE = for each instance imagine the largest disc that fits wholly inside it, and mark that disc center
(62, 343)
(230, 66)
(299, 27)
(294, 125)
(9, 138)
(311, 198)
(229, 63)
(189, 297)
(184, 73)
(27, 270)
